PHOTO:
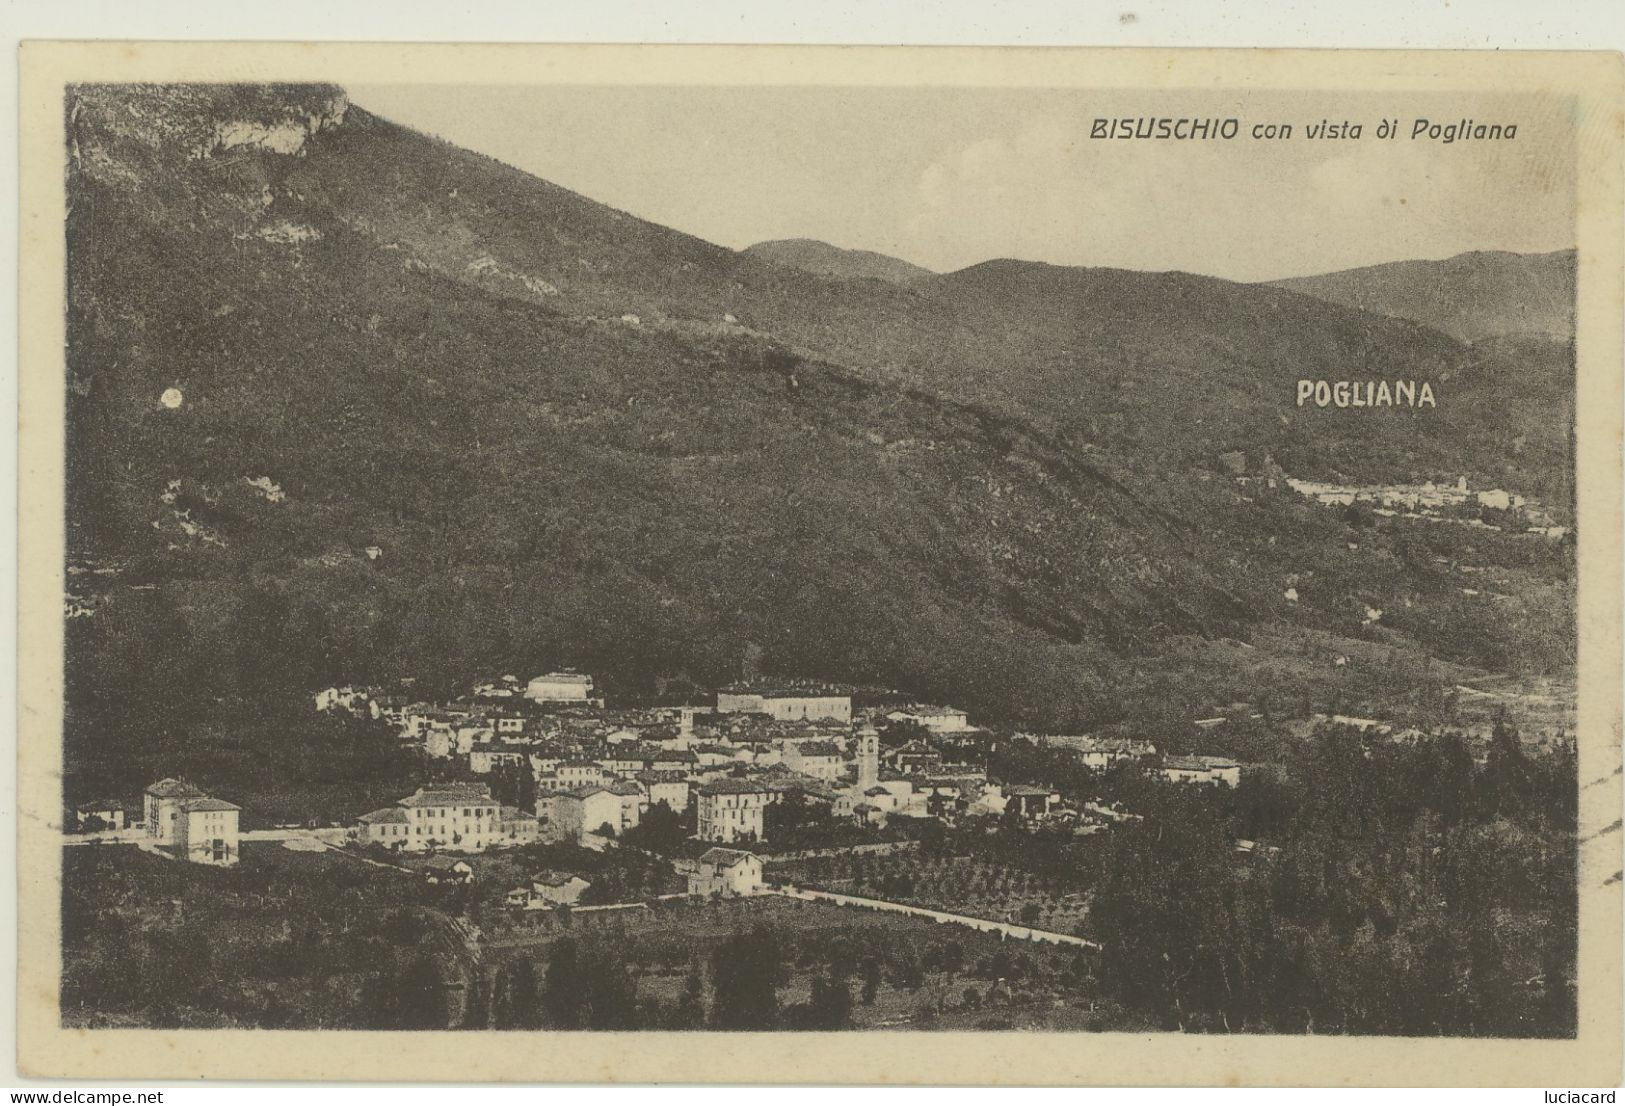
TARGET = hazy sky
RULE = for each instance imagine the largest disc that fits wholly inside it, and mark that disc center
(947, 178)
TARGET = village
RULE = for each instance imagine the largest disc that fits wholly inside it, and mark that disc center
(544, 807)
(1431, 502)
(549, 762)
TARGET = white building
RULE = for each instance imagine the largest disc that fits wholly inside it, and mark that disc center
(822, 760)
(584, 810)
(786, 706)
(726, 872)
(206, 831)
(1215, 771)
(558, 888)
(935, 719)
(104, 814)
(561, 687)
(485, 758)
(461, 817)
(161, 808)
(732, 810)
(1101, 753)
(664, 787)
(515, 827)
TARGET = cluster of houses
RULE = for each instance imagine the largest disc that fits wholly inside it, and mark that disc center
(597, 772)
(1426, 500)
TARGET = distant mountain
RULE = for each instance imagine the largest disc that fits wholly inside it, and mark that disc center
(428, 415)
(1470, 296)
(823, 259)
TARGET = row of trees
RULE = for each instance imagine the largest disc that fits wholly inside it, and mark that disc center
(1412, 894)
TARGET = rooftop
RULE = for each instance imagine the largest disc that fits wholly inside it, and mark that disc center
(585, 792)
(449, 795)
(392, 815)
(733, 787)
(203, 802)
(818, 749)
(173, 789)
(725, 858)
(557, 879)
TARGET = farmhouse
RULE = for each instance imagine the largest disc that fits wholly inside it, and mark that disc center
(389, 827)
(558, 888)
(1029, 802)
(726, 872)
(1214, 771)
(103, 814)
(446, 869)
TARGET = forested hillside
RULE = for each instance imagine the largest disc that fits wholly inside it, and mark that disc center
(432, 416)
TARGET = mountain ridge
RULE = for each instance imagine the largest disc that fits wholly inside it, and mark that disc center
(1470, 296)
(824, 259)
(569, 433)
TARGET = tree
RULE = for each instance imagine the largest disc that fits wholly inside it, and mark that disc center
(830, 1005)
(745, 970)
(514, 1003)
(690, 1009)
(660, 830)
(871, 980)
(419, 1000)
(611, 995)
(564, 993)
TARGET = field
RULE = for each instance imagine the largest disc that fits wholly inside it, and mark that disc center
(972, 885)
(301, 940)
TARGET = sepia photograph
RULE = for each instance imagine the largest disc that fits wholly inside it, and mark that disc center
(1026, 558)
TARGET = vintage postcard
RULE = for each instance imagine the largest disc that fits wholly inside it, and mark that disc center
(879, 565)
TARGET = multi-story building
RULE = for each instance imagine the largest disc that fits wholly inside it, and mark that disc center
(821, 760)
(485, 758)
(561, 687)
(206, 832)
(915, 757)
(631, 795)
(460, 817)
(934, 719)
(199, 828)
(732, 810)
(580, 773)
(787, 705)
(664, 787)
(586, 810)
(161, 807)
